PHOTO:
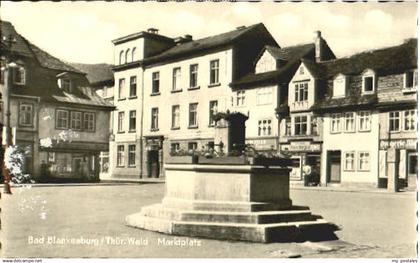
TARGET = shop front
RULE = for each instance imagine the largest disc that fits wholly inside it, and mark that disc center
(407, 166)
(303, 153)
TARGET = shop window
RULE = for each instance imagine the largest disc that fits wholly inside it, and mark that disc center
(349, 161)
(364, 120)
(264, 127)
(363, 161)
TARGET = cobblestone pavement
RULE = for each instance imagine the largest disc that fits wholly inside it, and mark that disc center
(88, 221)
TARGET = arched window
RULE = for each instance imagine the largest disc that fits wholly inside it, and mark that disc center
(121, 57)
(133, 54)
(127, 56)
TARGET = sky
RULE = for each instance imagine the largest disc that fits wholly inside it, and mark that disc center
(82, 31)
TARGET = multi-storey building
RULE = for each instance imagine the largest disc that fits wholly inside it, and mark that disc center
(181, 84)
(366, 103)
(101, 80)
(61, 124)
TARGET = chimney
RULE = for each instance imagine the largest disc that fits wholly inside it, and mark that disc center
(240, 27)
(152, 30)
(319, 46)
(184, 39)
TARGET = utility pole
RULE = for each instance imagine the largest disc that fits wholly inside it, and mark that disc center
(9, 41)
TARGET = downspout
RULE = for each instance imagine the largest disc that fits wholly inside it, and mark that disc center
(141, 123)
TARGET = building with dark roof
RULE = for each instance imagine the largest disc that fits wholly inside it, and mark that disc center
(60, 122)
(354, 111)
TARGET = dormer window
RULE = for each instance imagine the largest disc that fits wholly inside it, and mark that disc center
(19, 75)
(301, 70)
(369, 82)
(340, 86)
(410, 80)
(66, 85)
(301, 91)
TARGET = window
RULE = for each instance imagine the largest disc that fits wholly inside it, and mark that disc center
(127, 56)
(335, 123)
(394, 121)
(132, 155)
(175, 147)
(264, 127)
(155, 82)
(121, 89)
(301, 91)
(132, 120)
(192, 146)
(120, 155)
(349, 122)
(364, 121)
(89, 121)
(26, 114)
(192, 116)
(76, 120)
(339, 86)
(133, 54)
(364, 161)
(212, 112)
(264, 95)
(288, 130)
(410, 80)
(369, 79)
(301, 125)
(349, 161)
(120, 121)
(121, 58)
(133, 86)
(175, 117)
(155, 119)
(301, 70)
(240, 98)
(193, 75)
(410, 120)
(214, 71)
(19, 75)
(176, 79)
(65, 84)
(62, 119)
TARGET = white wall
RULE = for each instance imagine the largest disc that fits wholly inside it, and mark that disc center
(265, 63)
(137, 43)
(299, 78)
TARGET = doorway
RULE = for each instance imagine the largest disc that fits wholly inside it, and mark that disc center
(153, 166)
(412, 169)
(333, 166)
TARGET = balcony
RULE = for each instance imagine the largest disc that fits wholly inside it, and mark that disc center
(299, 105)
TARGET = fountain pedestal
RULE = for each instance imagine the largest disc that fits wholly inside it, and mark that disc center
(234, 202)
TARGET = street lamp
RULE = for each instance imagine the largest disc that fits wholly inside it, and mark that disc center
(9, 65)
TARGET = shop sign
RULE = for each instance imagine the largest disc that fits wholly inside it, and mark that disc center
(263, 144)
(399, 144)
(301, 147)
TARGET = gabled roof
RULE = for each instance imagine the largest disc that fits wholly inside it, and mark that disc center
(208, 43)
(23, 47)
(96, 73)
(291, 58)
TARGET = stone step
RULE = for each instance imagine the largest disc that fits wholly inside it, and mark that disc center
(261, 217)
(279, 232)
